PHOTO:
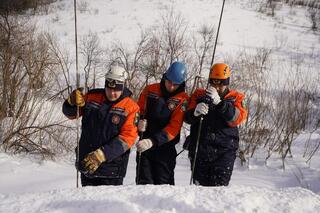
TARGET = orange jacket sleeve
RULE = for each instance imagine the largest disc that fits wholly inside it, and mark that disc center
(240, 113)
(142, 101)
(128, 133)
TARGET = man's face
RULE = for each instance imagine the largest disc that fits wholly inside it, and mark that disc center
(219, 87)
(113, 94)
(170, 86)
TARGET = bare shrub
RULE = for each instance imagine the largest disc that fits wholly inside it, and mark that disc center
(26, 65)
(251, 80)
(22, 5)
(311, 3)
(133, 63)
(62, 79)
(312, 144)
(314, 16)
(91, 53)
(161, 45)
(202, 45)
(291, 112)
(156, 49)
(268, 7)
(83, 6)
(277, 113)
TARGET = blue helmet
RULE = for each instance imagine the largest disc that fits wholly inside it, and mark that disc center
(176, 73)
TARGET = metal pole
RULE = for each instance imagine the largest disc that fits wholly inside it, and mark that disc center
(141, 137)
(215, 44)
(180, 152)
(196, 151)
(138, 167)
(77, 85)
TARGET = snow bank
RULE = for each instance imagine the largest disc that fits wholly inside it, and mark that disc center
(164, 199)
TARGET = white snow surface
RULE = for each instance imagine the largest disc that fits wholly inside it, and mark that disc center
(28, 185)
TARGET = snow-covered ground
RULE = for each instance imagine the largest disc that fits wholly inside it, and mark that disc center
(29, 186)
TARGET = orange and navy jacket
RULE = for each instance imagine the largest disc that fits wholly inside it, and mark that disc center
(220, 125)
(111, 126)
(164, 113)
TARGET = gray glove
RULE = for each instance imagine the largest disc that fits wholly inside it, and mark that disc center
(201, 109)
(144, 145)
(142, 125)
(213, 94)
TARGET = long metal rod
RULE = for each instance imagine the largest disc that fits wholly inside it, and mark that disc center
(196, 152)
(138, 166)
(215, 44)
(180, 152)
(78, 85)
(141, 137)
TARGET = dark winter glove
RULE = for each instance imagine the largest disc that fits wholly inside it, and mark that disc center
(93, 160)
(76, 98)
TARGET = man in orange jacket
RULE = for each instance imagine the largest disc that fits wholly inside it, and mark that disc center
(162, 106)
(109, 129)
(222, 111)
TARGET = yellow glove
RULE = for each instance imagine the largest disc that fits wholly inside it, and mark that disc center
(76, 98)
(93, 160)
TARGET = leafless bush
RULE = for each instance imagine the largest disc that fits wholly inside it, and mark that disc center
(251, 79)
(291, 114)
(26, 64)
(314, 16)
(132, 62)
(309, 3)
(157, 48)
(21, 5)
(277, 113)
(83, 6)
(268, 7)
(63, 64)
(202, 44)
(161, 45)
(312, 145)
(91, 52)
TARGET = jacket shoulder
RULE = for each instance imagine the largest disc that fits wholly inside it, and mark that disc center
(97, 95)
(153, 87)
(235, 94)
(199, 92)
(181, 96)
(129, 104)
(96, 90)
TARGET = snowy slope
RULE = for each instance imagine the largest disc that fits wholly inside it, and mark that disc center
(29, 186)
(140, 199)
(288, 33)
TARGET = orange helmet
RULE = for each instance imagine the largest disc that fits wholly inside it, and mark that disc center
(220, 73)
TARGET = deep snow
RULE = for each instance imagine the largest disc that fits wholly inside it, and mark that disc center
(49, 186)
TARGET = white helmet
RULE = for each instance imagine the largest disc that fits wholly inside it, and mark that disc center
(117, 73)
